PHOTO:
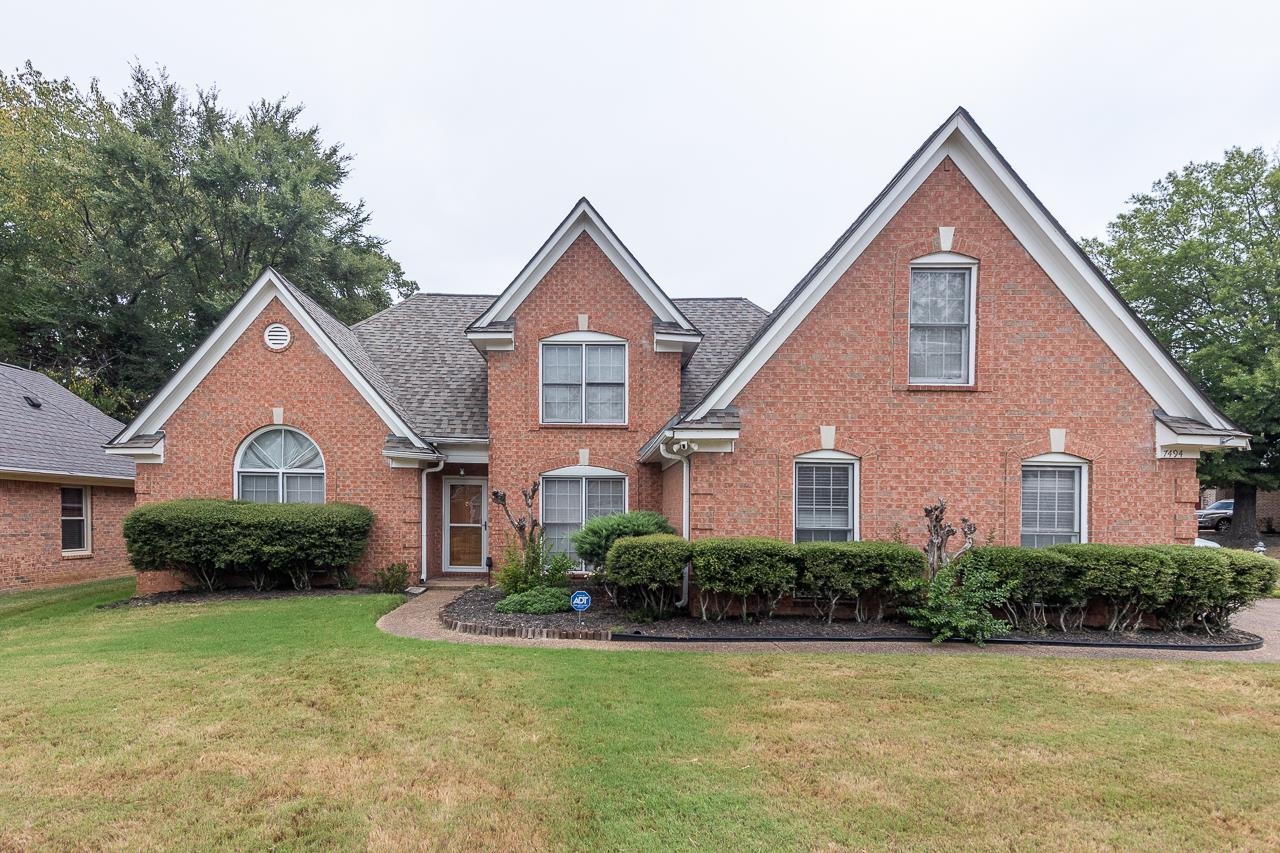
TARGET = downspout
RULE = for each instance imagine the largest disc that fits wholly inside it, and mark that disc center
(684, 465)
(422, 526)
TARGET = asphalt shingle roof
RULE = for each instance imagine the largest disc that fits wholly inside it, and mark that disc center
(726, 325)
(64, 435)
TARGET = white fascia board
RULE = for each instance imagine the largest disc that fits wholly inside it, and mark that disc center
(495, 341)
(140, 455)
(583, 218)
(1168, 440)
(49, 476)
(1060, 259)
(467, 453)
(224, 336)
(704, 434)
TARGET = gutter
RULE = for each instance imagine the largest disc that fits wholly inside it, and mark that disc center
(422, 526)
(684, 464)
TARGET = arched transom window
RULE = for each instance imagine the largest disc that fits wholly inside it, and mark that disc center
(280, 465)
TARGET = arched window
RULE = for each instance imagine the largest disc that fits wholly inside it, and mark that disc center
(280, 465)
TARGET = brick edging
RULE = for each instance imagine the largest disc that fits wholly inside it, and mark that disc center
(482, 630)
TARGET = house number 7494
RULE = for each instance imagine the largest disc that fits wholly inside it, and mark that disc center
(1172, 453)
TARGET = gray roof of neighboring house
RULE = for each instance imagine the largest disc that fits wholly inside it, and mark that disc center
(726, 326)
(64, 435)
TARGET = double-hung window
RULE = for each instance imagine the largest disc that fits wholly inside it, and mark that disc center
(1053, 504)
(584, 383)
(75, 520)
(825, 502)
(940, 343)
(567, 502)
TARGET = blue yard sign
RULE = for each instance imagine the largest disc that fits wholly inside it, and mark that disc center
(579, 601)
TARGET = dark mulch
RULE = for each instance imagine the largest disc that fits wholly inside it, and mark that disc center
(476, 606)
(200, 596)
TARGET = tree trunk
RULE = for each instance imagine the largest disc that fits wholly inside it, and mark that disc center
(1243, 532)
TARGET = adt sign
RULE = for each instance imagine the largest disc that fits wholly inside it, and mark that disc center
(580, 600)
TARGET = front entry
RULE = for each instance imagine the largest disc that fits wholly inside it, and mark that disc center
(466, 524)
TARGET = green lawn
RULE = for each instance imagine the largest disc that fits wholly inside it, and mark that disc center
(295, 723)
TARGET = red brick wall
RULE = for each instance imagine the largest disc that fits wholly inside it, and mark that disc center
(237, 398)
(673, 496)
(31, 536)
(582, 281)
(1039, 366)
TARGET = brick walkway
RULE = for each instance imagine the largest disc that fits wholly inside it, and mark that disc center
(418, 618)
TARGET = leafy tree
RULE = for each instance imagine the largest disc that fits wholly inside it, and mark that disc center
(1199, 259)
(129, 227)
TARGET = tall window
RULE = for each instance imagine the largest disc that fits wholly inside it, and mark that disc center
(569, 501)
(75, 519)
(825, 502)
(941, 320)
(584, 383)
(1052, 505)
(280, 465)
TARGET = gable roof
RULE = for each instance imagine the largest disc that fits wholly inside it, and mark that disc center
(335, 340)
(1066, 264)
(727, 325)
(64, 436)
(583, 218)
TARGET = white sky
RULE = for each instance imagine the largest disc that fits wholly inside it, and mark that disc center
(728, 144)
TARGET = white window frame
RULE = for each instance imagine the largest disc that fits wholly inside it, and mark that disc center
(948, 261)
(86, 493)
(829, 457)
(281, 473)
(584, 339)
(584, 473)
(1060, 461)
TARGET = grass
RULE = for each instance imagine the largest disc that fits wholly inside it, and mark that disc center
(294, 723)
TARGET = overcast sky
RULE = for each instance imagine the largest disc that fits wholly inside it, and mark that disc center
(728, 144)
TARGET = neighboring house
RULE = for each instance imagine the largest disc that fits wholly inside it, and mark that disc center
(61, 497)
(954, 341)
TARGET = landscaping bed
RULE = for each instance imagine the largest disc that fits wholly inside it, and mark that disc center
(200, 596)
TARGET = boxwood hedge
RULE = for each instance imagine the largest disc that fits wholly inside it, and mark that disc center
(649, 568)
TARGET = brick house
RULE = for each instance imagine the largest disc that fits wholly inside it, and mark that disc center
(953, 341)
(61, 498)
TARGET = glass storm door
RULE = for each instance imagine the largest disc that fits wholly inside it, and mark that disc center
(466, 529)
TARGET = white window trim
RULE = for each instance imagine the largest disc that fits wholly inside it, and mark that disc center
(829, 457)
(87, 492)
(237, 470)
(596, 474)
(1060, 460)
(583, 339)
(949, 260)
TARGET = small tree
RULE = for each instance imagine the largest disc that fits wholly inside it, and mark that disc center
(940, 532)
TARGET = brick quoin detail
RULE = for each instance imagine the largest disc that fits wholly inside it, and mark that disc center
(31, 536)
(1039, 366)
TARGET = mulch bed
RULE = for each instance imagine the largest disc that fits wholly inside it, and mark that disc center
(475, 607)
(200, 596)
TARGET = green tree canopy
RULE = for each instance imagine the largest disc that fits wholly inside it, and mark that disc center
(1199, 259)
(128, 227)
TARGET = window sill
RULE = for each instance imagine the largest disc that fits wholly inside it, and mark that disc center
(76, 555)
(907, 386)
(584, 426)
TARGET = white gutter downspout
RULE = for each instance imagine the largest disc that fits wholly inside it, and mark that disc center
(684, 463)
(422, 526)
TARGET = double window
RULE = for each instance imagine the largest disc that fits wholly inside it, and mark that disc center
(567, 502)
(280, 465)
(826, 502)
(1053, 504)
(75, 520)
(584, 383)
(940, 346)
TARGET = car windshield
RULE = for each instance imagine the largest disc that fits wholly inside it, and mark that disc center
(1222, 505)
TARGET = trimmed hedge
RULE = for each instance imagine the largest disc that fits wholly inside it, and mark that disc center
(651, 567)
(1044, 585)
(831, 572)
(210, 539)
(593, 541)
(746, 570)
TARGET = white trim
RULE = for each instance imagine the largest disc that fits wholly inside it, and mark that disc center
(87, 518)
(70, 477)
(422, 525)
(281, 473)
(1061, 460)
(969, 265)
(593, 474)
(232, 327)
(582, 471)
(583, 218)
(445, 524)
(591, 339)
(830, 457)
(274, 331)
(1061, 260)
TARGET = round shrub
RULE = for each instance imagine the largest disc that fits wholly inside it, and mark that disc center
(742, 570)
(540, 601)
(649, 567)
(597, 536)
(1045, 584)
(830, 572)
(1132, 580)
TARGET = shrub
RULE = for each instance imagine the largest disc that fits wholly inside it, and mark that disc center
(540, 600)
(1045, 585)
(835, 571)
(533, 567)
(742, 569)
(1211, 584)
(651, 567)
(212, 538)
(393, 579)
(1132, 580)
(597, 536)
(958, 603)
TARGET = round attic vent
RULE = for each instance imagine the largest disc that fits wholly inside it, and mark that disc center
(277, 336)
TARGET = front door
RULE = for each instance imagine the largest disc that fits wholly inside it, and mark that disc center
(466, 524)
